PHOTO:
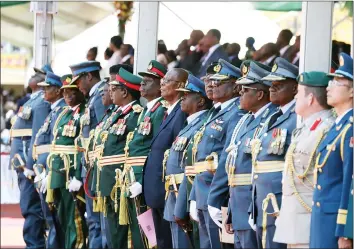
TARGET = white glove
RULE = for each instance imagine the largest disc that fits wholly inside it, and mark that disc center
(135, 189)
(251, 222)
(215, 215)
(193, 210)
(43, 187)
(74, 185)
(28, 172)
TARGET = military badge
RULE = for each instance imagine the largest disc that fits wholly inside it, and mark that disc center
(137, 108)
(85, 119)
(351, 142)
(150, 66)
(121, 126)
(165, 103)
(25, 113)
(217, 68)
(145, 126)
(67, 80)
(301, 78)
(215, 126)
(45, 125)
(244, 70)
(274, 68)
(341, 61)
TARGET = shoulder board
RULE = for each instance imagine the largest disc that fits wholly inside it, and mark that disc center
(137, 108)
(157, 104)
(164, 103)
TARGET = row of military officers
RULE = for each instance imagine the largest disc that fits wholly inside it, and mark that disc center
(273, 146)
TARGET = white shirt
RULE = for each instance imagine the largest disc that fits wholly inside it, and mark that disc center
(125, 58)
(172, 65)
(210, 52)
(151, 103)
(52, 106)
(283, 50)
(75, 107)
(216, 105)
(93, 89)
(227, 103)
(114, 60)
(126, 106)
(267, 61)
(259, 112)
(192, 117)
(170, 108)
(297, 57)
(286, 107)
(338, 119)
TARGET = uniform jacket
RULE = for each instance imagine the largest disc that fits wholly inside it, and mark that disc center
(140, 144)
(45, 133)
(332, 188)
(219, 53)
(240, 196)
(348, 230)
(153, 184)
(266, 183)
(57, 163)
(173, 165)
(117, 129)
(213, 140)
(293, 223)
(31, 116)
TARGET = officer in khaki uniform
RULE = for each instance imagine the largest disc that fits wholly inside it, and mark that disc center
(64, 170)
(138, 146)
(110, 157)
(293, 223)
(268, 152)
(195, 104)
(334, 165)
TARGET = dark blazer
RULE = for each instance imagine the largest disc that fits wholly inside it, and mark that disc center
(236, 61)
(219, 53)
(153, 183)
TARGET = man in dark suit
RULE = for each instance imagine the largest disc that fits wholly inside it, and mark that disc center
(153, 180)
(267, 54)
(215, 51)
(232, 51)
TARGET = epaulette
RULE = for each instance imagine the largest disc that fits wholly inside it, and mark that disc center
(137, 108)
(157, 104)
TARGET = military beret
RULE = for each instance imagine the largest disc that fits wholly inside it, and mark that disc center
(313, 78)
(115, 68)
(253, 72)
(127, 79)
(345, 68)
(68, 81)
(156, 69)
(193, 85)
(85, 67)
(225, 70)
(51, 79)
(281, 70)
(44, 70)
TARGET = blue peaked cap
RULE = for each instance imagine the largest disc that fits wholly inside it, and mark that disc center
(345, 68)
(225, 70)
(194, 85)
(44, 70)
(85, 67)
(51, 79)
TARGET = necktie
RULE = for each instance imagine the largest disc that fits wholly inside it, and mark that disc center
(250, 119)
(274, 118)
(164, 117)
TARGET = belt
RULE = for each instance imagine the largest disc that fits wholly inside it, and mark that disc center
(65, 149)
(20, 132)
(240, 180)
(190, 171)
(268, 166)
(110, 160)
(173, 180)
(40, 149)
(203, 166)
(136, 160)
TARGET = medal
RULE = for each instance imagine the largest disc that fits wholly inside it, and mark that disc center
(145, 126)
(120, 127)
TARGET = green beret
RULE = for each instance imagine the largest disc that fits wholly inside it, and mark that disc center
(313, 78)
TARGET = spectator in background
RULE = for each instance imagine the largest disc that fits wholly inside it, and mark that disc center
(115, 44)
(125, 50)
(283, 43)
(26, 96)
(161, 53)
(267, 54)
(232, 51)
(108, 54)
(250, 48)
(295, 56)
(172, 60)
(225, 45)
(214, 51)
(194, 38)
(92, 54)
(189, 51)
(182, 50)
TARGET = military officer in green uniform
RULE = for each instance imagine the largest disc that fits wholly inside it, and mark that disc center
(138, 146)
(64, 163)
(110, 157)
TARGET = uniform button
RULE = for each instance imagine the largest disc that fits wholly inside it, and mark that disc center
(319, 187)
(352, 192)
(186, 157)
(313, 203)
(265, 134)
(255, 177)
(320, 170)
(260, 148)
(318, 204)
(211, 136)
(135, 129)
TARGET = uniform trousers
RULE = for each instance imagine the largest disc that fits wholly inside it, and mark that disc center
(269, 238)
(208, 231)
(162, 229)
(245, 239)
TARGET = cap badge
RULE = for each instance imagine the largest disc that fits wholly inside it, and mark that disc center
(217, 68)
(68, 80)
(341, 61)
(244, 70)
(301, 78)
(274, 68)
(150, 66)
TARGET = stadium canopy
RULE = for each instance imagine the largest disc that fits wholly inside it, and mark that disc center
(72, 18)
